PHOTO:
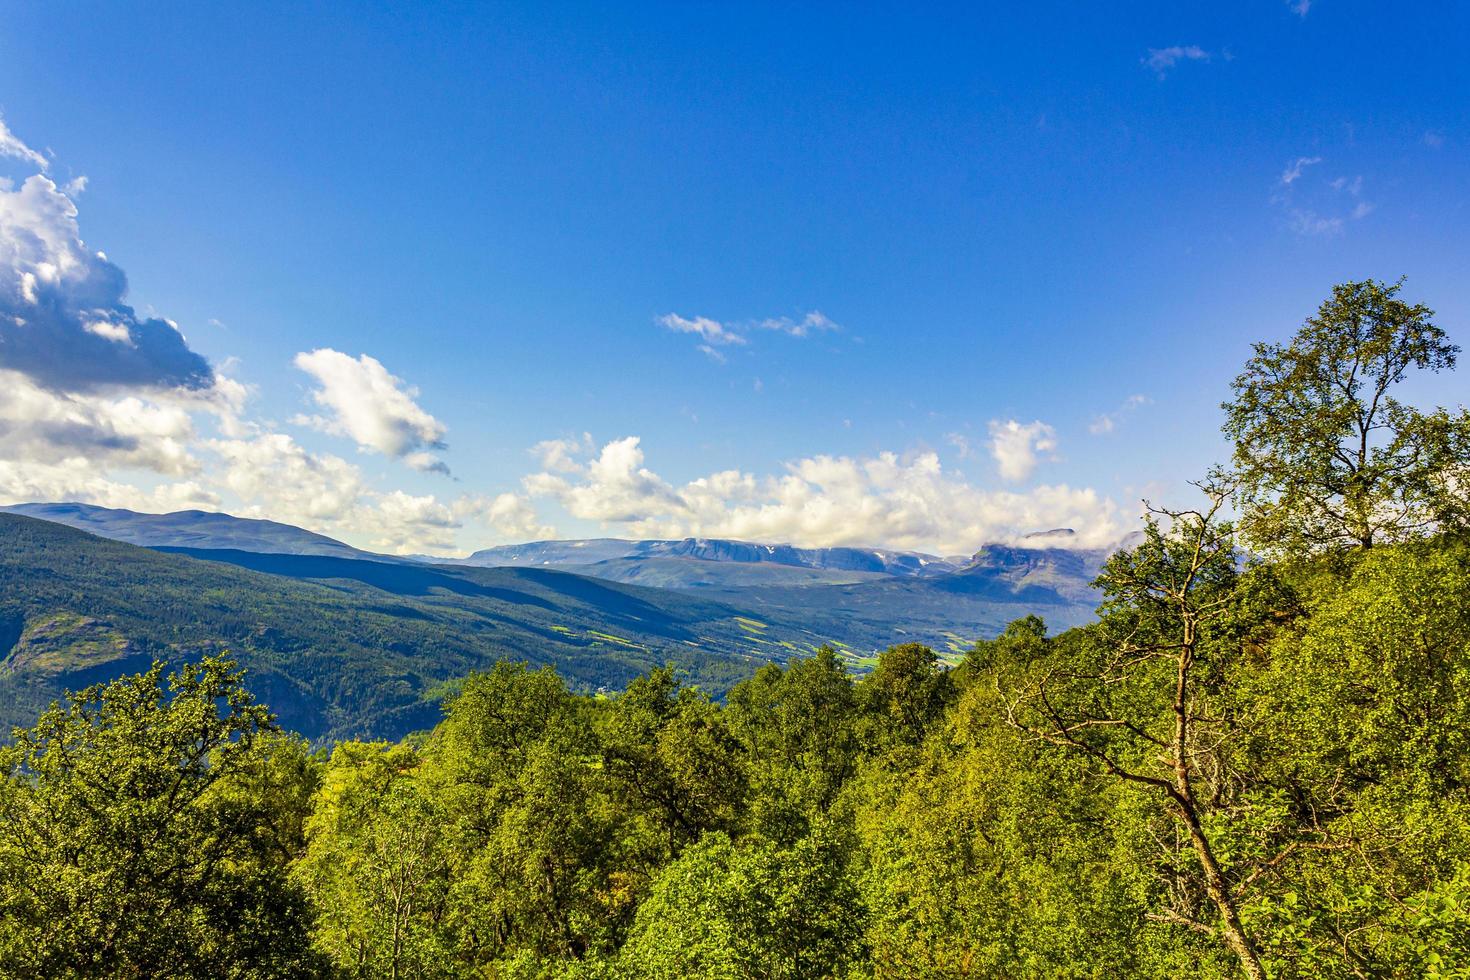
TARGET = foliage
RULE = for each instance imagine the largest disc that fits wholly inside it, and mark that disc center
(147, 833)
(1325, 454)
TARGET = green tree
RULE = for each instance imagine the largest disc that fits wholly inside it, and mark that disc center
(907, 693)
(1360, 713)
(993, 856)
(672, 760)
(376, 867)
(1145, 705)
(748, 910)
(147, 829)
(515, 773)
(798, 727)
(1325, 455)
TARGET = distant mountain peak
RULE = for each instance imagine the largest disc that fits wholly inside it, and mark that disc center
(191, 529)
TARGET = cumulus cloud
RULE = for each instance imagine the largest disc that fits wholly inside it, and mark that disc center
(612, 487)
(285, 482)
(560, 455)
(12, 146)
(38, 425)
(1161, 60)
(513, 517)
(100, 405)
(1018, 447)
(890, 500)
(1107, 422)
(276, 477)
(63, 321)
(373, 408)
(715, 334)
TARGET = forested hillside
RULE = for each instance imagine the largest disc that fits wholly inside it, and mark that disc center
(345, 646)
(1255, 763)
(338, 646)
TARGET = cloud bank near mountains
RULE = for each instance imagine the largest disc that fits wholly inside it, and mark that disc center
(99, 404)
(373, 408)
(898, 501)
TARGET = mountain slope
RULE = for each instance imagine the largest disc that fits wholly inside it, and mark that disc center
(605, 550)
(337, 647)
(946, 612)
(191, 529)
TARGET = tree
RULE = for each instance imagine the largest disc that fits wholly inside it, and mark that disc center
(1325, 456)
(515, 775)
(671, 759)
(376, 867)
(748, 910)
(1145, 705)
(907, 693)
(1362, 715)
(146, 834)
(995, 857)
(798, 728)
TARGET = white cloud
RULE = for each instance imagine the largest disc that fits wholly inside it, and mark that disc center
(39, 426)
(715, 334)
(12, 146)
(613, 486)
(63, 319)
(815, 321)
(884, 500)
(1293, 171)
(1107, 422)
(712, 332)
(514, 517)
(1319, 207)
(275, 477)
(560, 455)
(402, 523)
(373, 408)
(1433, 139)
(1018, 447)
(1300, 7)
(1161, 60)
(281, 480)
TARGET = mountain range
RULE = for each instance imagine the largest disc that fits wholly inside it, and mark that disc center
(345, 642)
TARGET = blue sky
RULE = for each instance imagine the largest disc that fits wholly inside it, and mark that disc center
(940, 248)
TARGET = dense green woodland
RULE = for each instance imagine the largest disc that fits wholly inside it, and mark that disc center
(1255, 763)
